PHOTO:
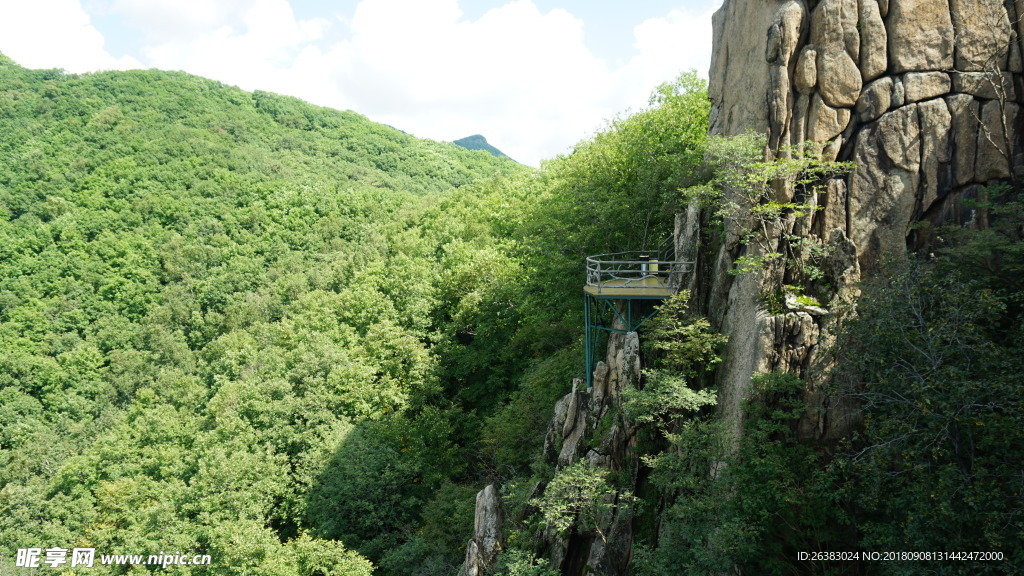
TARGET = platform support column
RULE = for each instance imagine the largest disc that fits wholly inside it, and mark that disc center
(629, 315)
(588, 345)
(600, 315)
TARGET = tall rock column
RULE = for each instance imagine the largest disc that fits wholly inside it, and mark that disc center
(483, 548)
(590, 425)
(923, 95)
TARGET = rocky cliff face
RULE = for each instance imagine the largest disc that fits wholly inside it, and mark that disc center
(577, 432)
(921, 94)
(587, 425)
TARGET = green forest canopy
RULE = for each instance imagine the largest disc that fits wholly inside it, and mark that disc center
(237, 324)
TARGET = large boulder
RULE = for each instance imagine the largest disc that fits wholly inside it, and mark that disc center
(806, 75)
(983, 34)
(824, 122)
(875, 100)
(919, 86)
(874, 53)
(839, 79)
(965, 113)
(996, 131)
(936, 122)
(920, 34)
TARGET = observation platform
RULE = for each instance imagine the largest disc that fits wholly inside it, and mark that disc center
(617, 287)
(634, 275)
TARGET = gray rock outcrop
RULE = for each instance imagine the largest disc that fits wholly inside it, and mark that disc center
(921, 94)
(486, 542)
(589, 425)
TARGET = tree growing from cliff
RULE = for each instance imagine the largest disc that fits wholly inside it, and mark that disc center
(685, 347)
(580, 495)
(758, 200)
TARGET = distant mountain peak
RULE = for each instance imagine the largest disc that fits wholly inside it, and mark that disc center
(478, 142)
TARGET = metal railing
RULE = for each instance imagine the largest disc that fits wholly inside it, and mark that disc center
(637, 269)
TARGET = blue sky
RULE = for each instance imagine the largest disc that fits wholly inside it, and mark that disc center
(533, 76)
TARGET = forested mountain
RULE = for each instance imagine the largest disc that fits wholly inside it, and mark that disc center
(284, 336)
(209, 299)
(478, 142)
(297, 342)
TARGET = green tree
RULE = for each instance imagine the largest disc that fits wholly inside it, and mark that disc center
(751, 505)
(757, 201)
(580, 496)
(687, 349)
(936, 377)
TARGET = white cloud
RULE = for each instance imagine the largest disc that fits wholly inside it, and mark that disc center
(667, 46)
(679, 41)
(55, 34)
(255, 49)
(176, 20)
(522, 77)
